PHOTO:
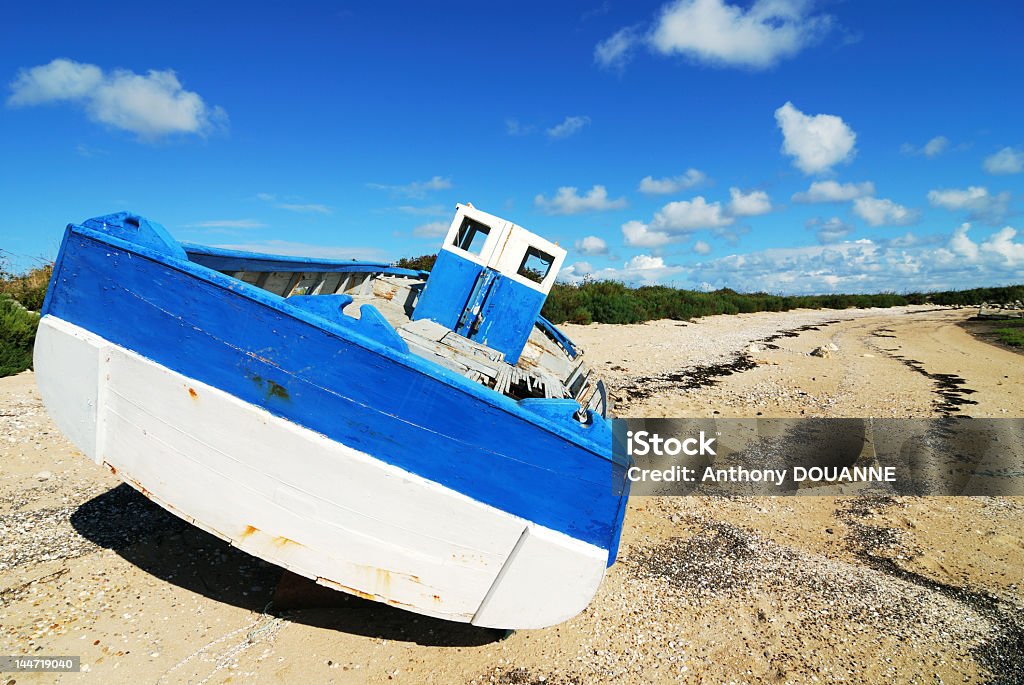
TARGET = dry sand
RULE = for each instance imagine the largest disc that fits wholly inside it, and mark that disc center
(744, 590)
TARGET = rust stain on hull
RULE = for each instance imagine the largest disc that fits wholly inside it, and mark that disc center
(138, 486)
(327, 582)
(193, 394)
(249, 530)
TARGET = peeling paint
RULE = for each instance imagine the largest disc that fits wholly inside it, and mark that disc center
(270, 388)
(275, 390)
(327, 582)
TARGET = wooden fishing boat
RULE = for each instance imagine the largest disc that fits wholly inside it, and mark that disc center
(425, 440)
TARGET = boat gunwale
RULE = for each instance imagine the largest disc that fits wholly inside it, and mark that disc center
(310, 264)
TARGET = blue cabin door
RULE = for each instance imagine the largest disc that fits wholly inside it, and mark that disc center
(500, 313)
(472, 314)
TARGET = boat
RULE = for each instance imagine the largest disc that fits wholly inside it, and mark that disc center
(426, 440)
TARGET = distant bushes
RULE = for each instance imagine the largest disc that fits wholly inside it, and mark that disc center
(18, 295)
(28, 288)
(613, 302)
(1010, 293)
(422, 263)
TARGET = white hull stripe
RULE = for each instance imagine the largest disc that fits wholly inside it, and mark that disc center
(292, 496)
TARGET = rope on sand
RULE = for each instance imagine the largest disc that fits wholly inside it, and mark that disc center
(259, 630)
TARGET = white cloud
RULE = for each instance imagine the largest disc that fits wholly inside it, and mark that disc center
(675, 221)
(957, 199)
(933, 148)
(871, 266)
(416, 189)
(701, 247)
(641, 269)
(690, 215)
(294, 249)
(89, 151)
(1001, 244)
(638, 234)
(963, 246)
(643, 262)
(576, 271)
(829, 231)
(980, 204)
(754, 203)
(308, 208)
(672, 184)
(884, 212)
(831, 191)
(434, 229)
(730, 234)
(570, 126)
(514, 128)
(228, 223)
(429, 210)
(997, 252)
(816, 142)
(293, 206)
(715, 32)
(615, 51)
(150, 106)
(592, 245)
(1006, 161)
(568, 201)
(61, 79)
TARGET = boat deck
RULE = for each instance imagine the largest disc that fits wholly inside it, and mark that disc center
(544, 370)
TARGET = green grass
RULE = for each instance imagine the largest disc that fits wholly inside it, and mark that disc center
(1011, 333)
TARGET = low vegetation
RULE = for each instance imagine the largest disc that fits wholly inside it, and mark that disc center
(422, 263)
(1011, 333)
(21, 298)
(612, 302)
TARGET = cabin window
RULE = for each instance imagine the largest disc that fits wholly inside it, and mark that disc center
(471, 236)
(536, 265)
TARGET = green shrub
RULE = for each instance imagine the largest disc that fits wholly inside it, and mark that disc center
(17, 336)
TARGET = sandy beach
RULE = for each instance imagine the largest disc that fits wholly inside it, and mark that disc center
(706, 590)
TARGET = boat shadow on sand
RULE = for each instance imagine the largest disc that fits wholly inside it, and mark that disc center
(163, 545)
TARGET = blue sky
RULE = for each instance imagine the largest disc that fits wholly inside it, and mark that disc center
(776, 145)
